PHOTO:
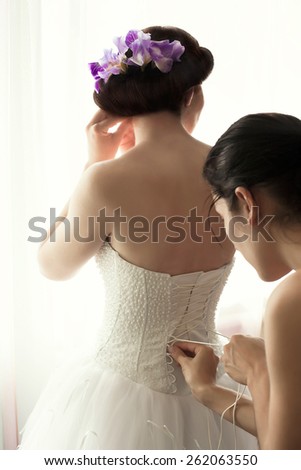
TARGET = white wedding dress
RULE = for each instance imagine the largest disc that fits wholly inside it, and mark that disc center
(130, 395)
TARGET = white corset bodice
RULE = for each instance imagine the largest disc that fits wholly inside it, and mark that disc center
(128, 395)
(146, 310)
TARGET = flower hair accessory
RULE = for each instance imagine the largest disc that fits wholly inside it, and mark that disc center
(136, 49)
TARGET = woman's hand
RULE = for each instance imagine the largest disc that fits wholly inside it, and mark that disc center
(102, 144)
(198, 363)
(242, 357)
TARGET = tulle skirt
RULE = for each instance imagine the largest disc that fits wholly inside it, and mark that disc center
(87, 407)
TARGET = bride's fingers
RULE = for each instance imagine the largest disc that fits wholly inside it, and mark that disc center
(99, 116)
(123, 128)
(103, 121)
(103, 127)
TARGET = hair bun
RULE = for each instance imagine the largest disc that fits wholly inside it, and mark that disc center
(139, 92)
(206, 61)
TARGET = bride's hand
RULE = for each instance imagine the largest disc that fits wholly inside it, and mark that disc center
(198, 363)
(103, 144)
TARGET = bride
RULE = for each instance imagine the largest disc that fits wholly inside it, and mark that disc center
(144, 216)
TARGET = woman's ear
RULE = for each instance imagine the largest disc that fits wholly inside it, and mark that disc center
(188, 97)
(248, 204)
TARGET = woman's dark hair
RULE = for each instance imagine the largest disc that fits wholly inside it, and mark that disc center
(139, 92)
(259, 150)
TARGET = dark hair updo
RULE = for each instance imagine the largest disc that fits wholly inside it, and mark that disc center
(139, 92)
(262, 150)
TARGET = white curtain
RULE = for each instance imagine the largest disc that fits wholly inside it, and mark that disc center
(46, 101)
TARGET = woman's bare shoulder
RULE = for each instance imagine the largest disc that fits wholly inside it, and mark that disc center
(285, 300)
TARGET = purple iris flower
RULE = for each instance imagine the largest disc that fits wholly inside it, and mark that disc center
(162, 53)
(121, 44)
(96, 70)
(110, 64)
(131, 36)
(165, 53)
(140, 48)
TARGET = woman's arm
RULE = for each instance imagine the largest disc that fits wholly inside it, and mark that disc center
(279, 419)
(244, 360)
(273, 378)
(78, 234)
(199, 363)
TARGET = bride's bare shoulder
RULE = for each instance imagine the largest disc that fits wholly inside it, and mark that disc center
(201, 147)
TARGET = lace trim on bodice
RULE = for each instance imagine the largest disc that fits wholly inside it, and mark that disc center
(147, 310)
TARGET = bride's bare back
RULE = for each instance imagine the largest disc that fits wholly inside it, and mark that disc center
(159, 203)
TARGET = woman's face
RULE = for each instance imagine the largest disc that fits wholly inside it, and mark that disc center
(251, 234)
(236, 226)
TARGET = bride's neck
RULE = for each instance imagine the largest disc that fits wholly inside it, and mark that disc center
(154, 126)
